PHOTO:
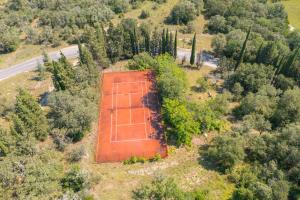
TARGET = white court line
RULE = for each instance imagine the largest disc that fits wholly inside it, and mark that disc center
(136, 140)
(131, 124)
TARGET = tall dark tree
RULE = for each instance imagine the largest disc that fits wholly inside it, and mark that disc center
(29, 116)
(147, 42)
(155, 44)
(63, 74)
(241, 56)
(96, 43)
(163, 42)
(136, 41)
(193, 53)
(114, 44)
(170, 44)
(175, 46)
(132, 42)
(167, 41)
(88, 64)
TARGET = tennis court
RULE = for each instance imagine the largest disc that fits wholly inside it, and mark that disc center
(129, 122)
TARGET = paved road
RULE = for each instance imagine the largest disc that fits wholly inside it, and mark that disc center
(72, 52)
(208, 59)
(29, 65)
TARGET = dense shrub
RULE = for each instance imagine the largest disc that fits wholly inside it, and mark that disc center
(77, 154)
(75, 179)
(183, 12)
(144, 14)
(226, 151)
(171, 79)
(179, 122)
(251, 77)
(142, 61)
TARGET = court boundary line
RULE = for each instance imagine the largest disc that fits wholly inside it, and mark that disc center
(141, 85)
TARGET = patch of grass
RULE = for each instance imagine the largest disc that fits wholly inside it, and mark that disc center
(193, 75)
(293, 9)
(9, 88)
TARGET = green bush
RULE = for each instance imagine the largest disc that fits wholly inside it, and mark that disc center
(144, 14)
(203, 84)
(179, 122)
(157, 157)
(182, 13)
(75, 179)
(134, 159)
(77, 154)
(171, 79)
(142, 61)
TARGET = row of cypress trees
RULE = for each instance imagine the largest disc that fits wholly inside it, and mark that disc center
(167, 43)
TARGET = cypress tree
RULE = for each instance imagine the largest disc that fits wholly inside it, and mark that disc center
(171, 44)
(163, 42)
(241, 57)
(132, 43)
(97, 45)
(290, 61)
(155, 43)
(175, 46)
(86, 60)
(30, 116)
(167, 42)
(193, 53)
(136, 42)
(147, 42)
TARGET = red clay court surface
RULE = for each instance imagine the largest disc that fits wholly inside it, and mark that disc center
(129, 123)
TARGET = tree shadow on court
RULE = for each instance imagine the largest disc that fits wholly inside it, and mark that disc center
(151, 101)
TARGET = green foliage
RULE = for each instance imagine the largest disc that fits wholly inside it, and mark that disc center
(5, 142)
(95, 39)
(157, 157)
(63, 74)
(142, 61)
(29, 117)
(183, 12)
(288, 110)
(77, 154)
(144, 14)
(226, 151)
(88, 65)
(203, 84)
(251, 77)
(9, 40)
(41, 71)
(193, 53)
(179, 122)
(171, 79)
(242, 54)
(133, 160)
(75, 179)
(160, 188)
(31, 177)
(264, 102)
(73, 115)
(209, 114)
